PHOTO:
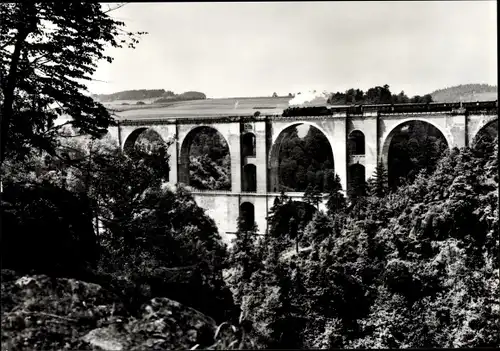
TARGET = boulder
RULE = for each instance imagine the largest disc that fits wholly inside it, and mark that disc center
(164, 324)
(53, 313)
(43, 313)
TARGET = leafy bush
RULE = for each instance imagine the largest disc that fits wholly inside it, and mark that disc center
(153, 241)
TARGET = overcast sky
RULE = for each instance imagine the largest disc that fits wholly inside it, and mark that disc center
(255, 49)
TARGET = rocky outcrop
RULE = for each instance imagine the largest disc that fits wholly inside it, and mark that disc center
(43, 313)
(164, 324)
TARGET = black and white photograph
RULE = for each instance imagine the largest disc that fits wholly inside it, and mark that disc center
(249, 175)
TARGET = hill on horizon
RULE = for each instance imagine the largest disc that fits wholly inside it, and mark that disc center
(462, 92)
(466, 92)
(153, 95)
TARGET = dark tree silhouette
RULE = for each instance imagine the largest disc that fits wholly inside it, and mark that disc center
(47, 52)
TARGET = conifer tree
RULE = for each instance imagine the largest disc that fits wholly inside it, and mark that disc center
(312, 195)
(378, 184)
(336, 199)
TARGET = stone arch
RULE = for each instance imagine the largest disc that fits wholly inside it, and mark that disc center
(390, 135)
(185, 149)
(273, 155)
(488, 128)
(356, 143)
(132, 138)
(248, 144)
(249, 178)
(188, 136)
(247, 215)
(384, 157)
(356, 175)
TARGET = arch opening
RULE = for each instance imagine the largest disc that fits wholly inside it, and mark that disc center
(144, 143)
(300, 156)
(205, 160)
(248, 145)
(483, 142)
(249, 178)
(356, 181)
(411, 147)
(145, 139)
(356, 143)
(247, 216)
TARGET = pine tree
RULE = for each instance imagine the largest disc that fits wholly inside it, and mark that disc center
(278, 219)
(378, 184)
(312, 195)
(244, 257)
(320, 227)
(336, 199)
(357, 190)
(273, 217)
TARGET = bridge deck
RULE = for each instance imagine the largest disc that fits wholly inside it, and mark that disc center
(246, 107)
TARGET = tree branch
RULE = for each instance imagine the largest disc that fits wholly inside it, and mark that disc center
(119, 6)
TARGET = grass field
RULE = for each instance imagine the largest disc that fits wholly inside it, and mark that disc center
(223, 106)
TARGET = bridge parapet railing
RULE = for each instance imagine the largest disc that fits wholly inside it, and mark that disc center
(250, 193)
(203, 191)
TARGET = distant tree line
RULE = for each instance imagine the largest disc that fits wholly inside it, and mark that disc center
(376, 95)
(162, 94)
(188, 95)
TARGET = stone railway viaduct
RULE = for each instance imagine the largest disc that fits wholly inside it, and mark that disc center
(358, 137)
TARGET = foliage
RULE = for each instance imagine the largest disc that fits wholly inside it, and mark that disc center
(304, 161)
(189, 95)
(416, 147)
(210, 162)
(313, 195)
(357, 186)
(47, 52)
(46, 227)
(160, 94)
(206, 174)
(413, 268)
(378, 184)
(153, 241)
(288, 218)
(244, 258)
(336, 201)
(375, 95)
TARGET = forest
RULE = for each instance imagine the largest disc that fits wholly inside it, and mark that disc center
(100, 252)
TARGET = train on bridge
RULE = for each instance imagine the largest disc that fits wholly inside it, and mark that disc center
(431, 107)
